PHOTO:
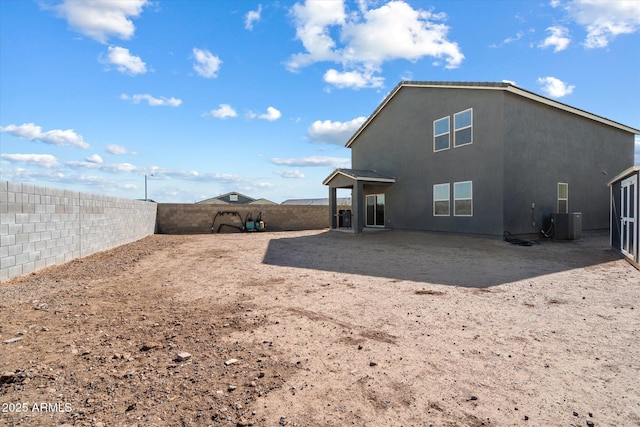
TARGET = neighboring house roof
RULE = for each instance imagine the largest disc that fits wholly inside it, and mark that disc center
(360, 175)
(240, 199)
(507, 87)
(341, 201)
(212, 201)
(262, 202)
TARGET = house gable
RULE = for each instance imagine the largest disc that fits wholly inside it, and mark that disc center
(232, 198)
(506, 87)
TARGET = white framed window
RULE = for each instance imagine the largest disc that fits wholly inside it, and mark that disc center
(233, 197)
(441, 134)
(563, 197)
(441, 200)
(463, 198)
(463, 128)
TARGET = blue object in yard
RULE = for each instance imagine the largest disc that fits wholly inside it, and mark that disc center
(251, 225)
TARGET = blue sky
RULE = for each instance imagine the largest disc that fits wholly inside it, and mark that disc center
(207, 97)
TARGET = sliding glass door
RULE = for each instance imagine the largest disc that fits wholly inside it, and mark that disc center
(375, 210)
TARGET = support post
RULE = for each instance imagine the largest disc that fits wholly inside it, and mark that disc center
(358, 206)
(333, 219)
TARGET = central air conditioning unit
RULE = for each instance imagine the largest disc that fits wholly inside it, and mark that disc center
(567, 226)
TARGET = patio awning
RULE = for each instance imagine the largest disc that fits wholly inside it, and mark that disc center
(358, 180)
(360, 175)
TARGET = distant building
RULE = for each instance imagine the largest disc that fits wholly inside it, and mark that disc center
(342, 201)
(262, 202)
(235, 198)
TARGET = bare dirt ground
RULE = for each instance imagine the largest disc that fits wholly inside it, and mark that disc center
(319, 328)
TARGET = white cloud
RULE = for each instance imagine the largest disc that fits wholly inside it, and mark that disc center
(271, 115)
(334, 132)
(118, 149)
(43, 160)
(83, 172)
(554, 87)
(125, 61)
(119, 167)
(313, 21)
(407, 76)
(18, 174)
(509, 40)
(397, 31)
(352, 79)
(223, 112)
(605, 20)
(95, 158)
(558, 39)
(102, 19)
(290, 174)
(223, 178)
(312, 161)
(251, 17)
(207, 64)
(151, 100)
(365, 39)
(515, 38)
(259, 184)
(60, 137)
(105, 167)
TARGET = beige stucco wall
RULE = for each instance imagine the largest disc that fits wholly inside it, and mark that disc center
(198, 218)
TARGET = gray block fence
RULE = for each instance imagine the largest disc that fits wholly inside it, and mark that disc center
(41, 226)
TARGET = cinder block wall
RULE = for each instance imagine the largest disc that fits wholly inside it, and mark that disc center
(41, 226)
(175, 218)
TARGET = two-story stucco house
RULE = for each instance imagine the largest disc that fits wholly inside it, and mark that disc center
(479, 158)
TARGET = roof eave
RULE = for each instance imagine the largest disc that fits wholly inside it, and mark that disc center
(577, 111)
(374, 114)
(625, 173)
(506, 87)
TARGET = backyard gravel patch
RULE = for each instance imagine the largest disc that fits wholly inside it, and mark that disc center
(319, 328)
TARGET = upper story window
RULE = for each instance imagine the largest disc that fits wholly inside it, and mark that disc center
(463, 128)
(441, 134)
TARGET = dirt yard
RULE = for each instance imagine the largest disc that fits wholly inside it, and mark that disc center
(320, 328)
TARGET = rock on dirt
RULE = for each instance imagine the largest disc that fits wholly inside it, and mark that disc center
(182, 356)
